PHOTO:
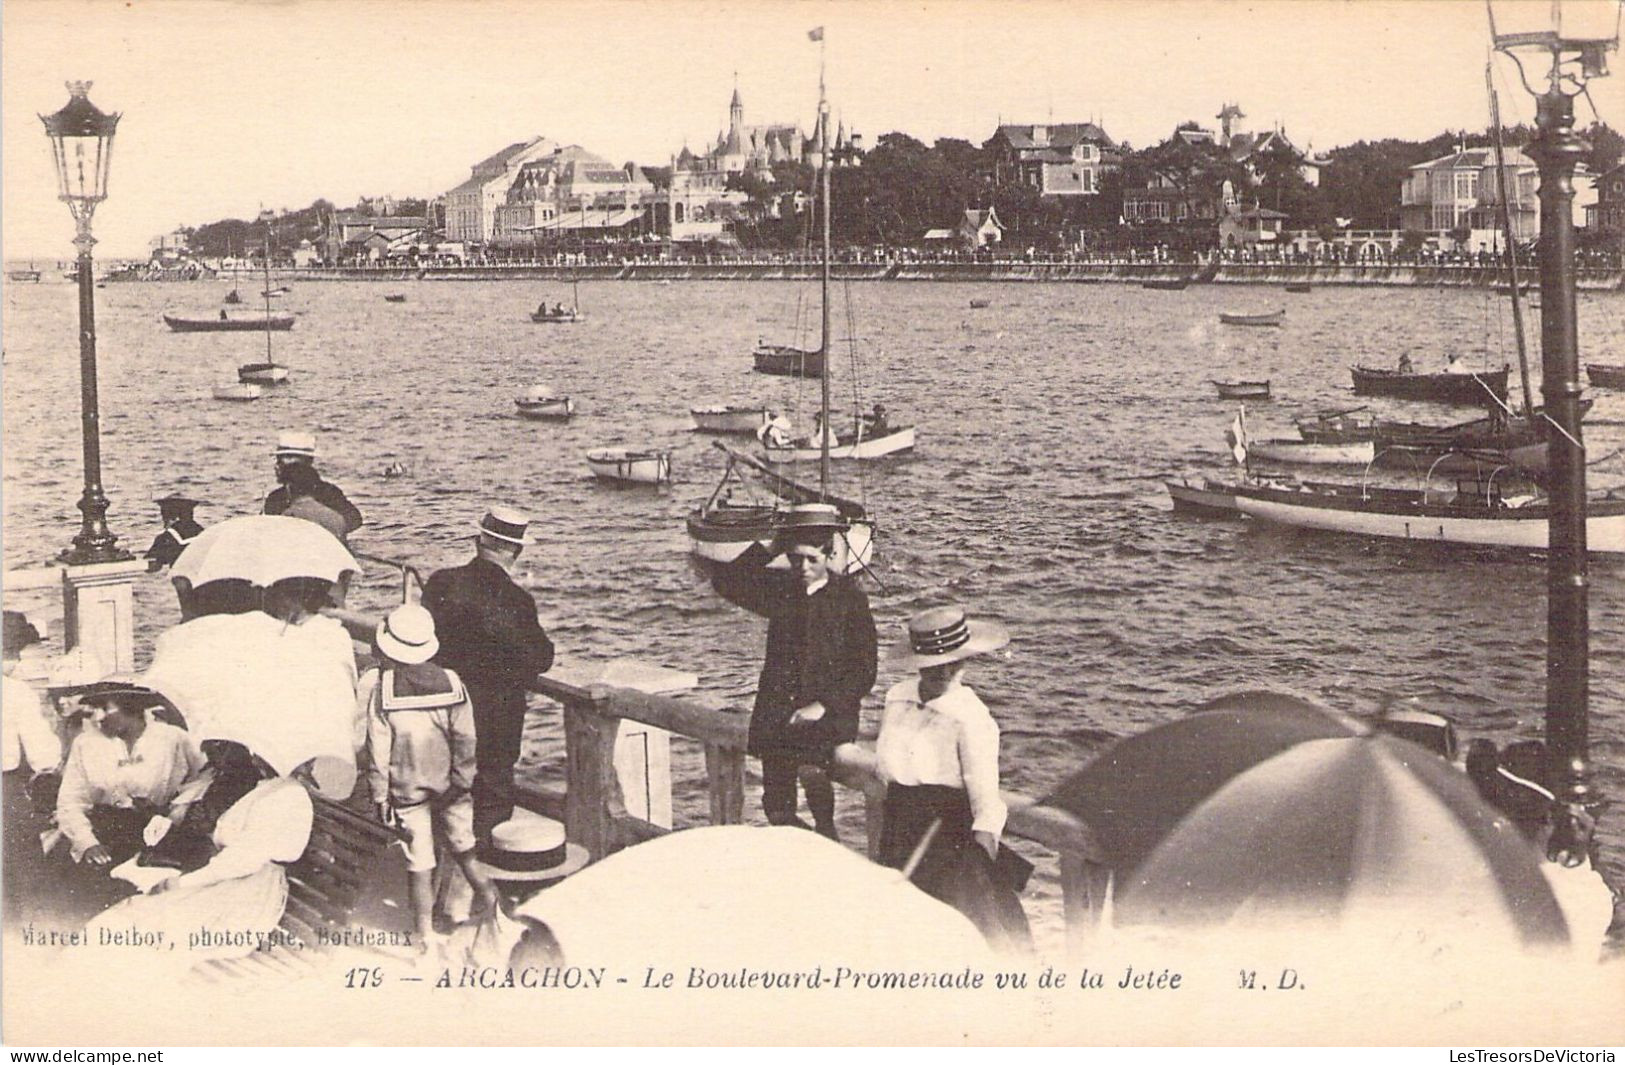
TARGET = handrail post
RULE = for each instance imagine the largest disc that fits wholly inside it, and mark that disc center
(725, 772)
(1084, 886)
(592, 801)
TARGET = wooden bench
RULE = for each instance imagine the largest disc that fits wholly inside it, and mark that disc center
(324, 886)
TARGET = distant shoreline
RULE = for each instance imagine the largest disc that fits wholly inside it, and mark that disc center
(1368, 275)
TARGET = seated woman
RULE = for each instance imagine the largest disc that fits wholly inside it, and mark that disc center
(124, 768)
(938, 752)
(239, 885)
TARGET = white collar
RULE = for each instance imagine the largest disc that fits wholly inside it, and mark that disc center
(813, 589)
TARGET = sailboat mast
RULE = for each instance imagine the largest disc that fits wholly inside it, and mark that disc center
(823, 340)
(268, 292)
(1512, 245)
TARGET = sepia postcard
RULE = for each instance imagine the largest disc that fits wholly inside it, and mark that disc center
(752, 522)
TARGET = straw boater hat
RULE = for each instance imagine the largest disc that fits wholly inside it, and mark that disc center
(296, 444)
(407, 635)
(942, 635)
(807, 521)
(505, 524)
(530, 847)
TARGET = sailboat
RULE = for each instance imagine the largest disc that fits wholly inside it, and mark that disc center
(721, 529)
(269, 372)
(558, 314)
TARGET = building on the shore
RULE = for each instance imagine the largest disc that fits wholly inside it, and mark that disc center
(1607, 214)
(1454, 191)
(977, 229)
(1059, 160)
(351, 237)
(471, 207)
(1251, 226)
(1155, 196)
(572, 192)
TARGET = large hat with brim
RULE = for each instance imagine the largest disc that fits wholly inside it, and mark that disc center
(944, 634)
(505, 524)
(296, 443)
(407, 635)
(807, 522)
(529, 847)
(132, 694)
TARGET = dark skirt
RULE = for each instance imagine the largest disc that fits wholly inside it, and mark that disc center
(955, 869)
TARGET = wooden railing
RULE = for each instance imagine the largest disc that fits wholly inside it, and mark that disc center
(594, 814)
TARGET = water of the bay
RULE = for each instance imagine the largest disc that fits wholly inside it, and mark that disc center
(1046, 424)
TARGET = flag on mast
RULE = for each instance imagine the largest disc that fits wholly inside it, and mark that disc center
(1236, 436)
(816, 34)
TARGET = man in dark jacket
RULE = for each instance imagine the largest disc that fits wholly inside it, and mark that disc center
(179, 530)
(819, 665)
(490, 636)
(296, 449)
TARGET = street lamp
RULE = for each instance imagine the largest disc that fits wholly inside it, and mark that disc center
(1557, 52)
(82, 140)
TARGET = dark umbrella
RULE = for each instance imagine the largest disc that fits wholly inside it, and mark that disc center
(1264, 807)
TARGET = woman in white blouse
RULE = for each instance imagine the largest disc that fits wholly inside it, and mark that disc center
(939, 755)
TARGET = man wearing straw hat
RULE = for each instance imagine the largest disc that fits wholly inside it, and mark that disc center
(820, 660)
(489, 636)
(296, 451)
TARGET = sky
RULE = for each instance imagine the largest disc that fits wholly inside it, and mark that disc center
(231, 105)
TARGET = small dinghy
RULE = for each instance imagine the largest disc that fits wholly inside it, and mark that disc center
(238, 391)
(543, 404)
(650, 466)
(1273, 318)
(1304, 453)
(1243, 389)
(729, 419)
(262, 373)
(980, 305)
(394, 297)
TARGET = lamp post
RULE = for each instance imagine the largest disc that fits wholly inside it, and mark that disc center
(1561, 59)
(82, 140)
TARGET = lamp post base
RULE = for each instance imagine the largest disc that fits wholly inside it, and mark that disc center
(95, 542)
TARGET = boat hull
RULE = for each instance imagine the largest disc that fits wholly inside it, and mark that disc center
(630, 467)
(1253, 319)
(1602, 375)
(1473, 388)
(262, 374)
(1299, 452)
(1405, 515)
(549, 410)
(788, 362)
(721, 534)
(743, 420)
(567, 318)
(1210, 498)
(241, 392)
(1166, 286)
(863, 448)
(1243, 389)
(275, 323)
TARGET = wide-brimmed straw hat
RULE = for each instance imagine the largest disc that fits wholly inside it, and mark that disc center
(807, 523)
(942, 635)
(296, 443)
(529, 847)
(505, 524)
(133, 694)
(407, 635)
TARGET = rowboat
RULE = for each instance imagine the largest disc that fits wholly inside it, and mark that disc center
(721, 528)
(1166, 284)
(980, 305)
(1479, 515)
(787, 361)
(1301, 452)
(1243, 389)
(1605, 375)
(271, 323)
(542, 403)
(262, 373)
(394, 297)
(238, 391)
(566, 316)
(22, 275)
(648, 466)
(1473, 388)
(857, 446)
(729, 419)
(1338, 427)
(1273, 318)
(1299, 287)
(1214, 499)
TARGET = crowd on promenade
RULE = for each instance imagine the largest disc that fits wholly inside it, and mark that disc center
(173, 800)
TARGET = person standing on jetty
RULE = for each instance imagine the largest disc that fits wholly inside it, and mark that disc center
(180, 528)
(294, 450)
(938, 752)
(819, 664)
(489, 636)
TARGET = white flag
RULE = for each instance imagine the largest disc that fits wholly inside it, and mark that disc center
(1236, 436)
